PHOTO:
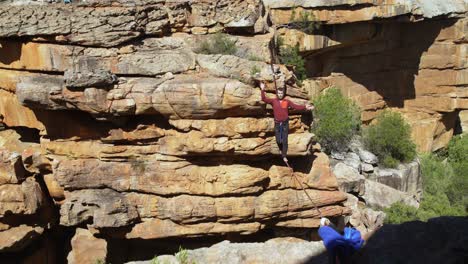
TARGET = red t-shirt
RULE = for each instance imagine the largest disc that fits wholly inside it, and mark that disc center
(280, 107)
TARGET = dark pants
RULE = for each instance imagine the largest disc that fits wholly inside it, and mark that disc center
(281, 134)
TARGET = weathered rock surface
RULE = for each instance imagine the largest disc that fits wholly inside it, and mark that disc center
(11, 167)
(117, 23)
(381, 196)
(21, 199)
(86, 248)
(100, 208)
(24, 209)
(406, 177)
(331, 12)
(349, 179)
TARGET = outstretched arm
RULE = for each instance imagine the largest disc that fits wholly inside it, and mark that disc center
(264, 98)
(300, 107)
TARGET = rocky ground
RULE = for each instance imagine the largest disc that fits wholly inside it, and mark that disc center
(116, 132)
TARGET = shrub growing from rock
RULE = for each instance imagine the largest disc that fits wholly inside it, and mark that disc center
(336, 121)
(218, 43)
(289, 55)
(390, 139)
(304, 21)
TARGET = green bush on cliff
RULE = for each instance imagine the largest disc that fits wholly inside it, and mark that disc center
(218, 43)
(390, 139)
(304, 21)
(289, 55)
(336, 120)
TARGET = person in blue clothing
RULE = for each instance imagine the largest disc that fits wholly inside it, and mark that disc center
(340, 247)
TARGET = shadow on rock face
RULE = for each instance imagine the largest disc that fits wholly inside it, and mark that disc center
(10, 51)
(440, 240)
(388, 60)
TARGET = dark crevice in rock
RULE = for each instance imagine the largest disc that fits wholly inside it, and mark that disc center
(34, 71)
(72, 123)
(173, 195)
(51, 247)
(457, 128)
(27, 134)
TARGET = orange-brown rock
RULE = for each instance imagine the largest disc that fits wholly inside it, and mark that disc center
(420, 74)
(274, 204)
(101, 208)
(160, 177)
(15, 114)
(86, 248)
(55, 190)
(21, 199)
(11, 167)
(156, 228)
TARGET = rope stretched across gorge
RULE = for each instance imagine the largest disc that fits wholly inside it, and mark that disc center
(302, 187)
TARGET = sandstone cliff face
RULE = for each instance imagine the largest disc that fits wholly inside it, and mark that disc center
(111, 118)
(136, 135)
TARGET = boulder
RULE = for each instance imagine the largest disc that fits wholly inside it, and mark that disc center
(26, 198)
(344, 11)
(86, 248)
(381, 196)
(349, 179)
(406, 177)
(368, 157)
(11, 167)
(367, 168)
(337, 155)
(352, 160)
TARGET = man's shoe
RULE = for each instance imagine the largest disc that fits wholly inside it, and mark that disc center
(324, 221)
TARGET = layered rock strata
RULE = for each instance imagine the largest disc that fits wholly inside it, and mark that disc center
(135, 134)
(113, 117)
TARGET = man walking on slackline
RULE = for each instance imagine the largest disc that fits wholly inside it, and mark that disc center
(281, 114)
